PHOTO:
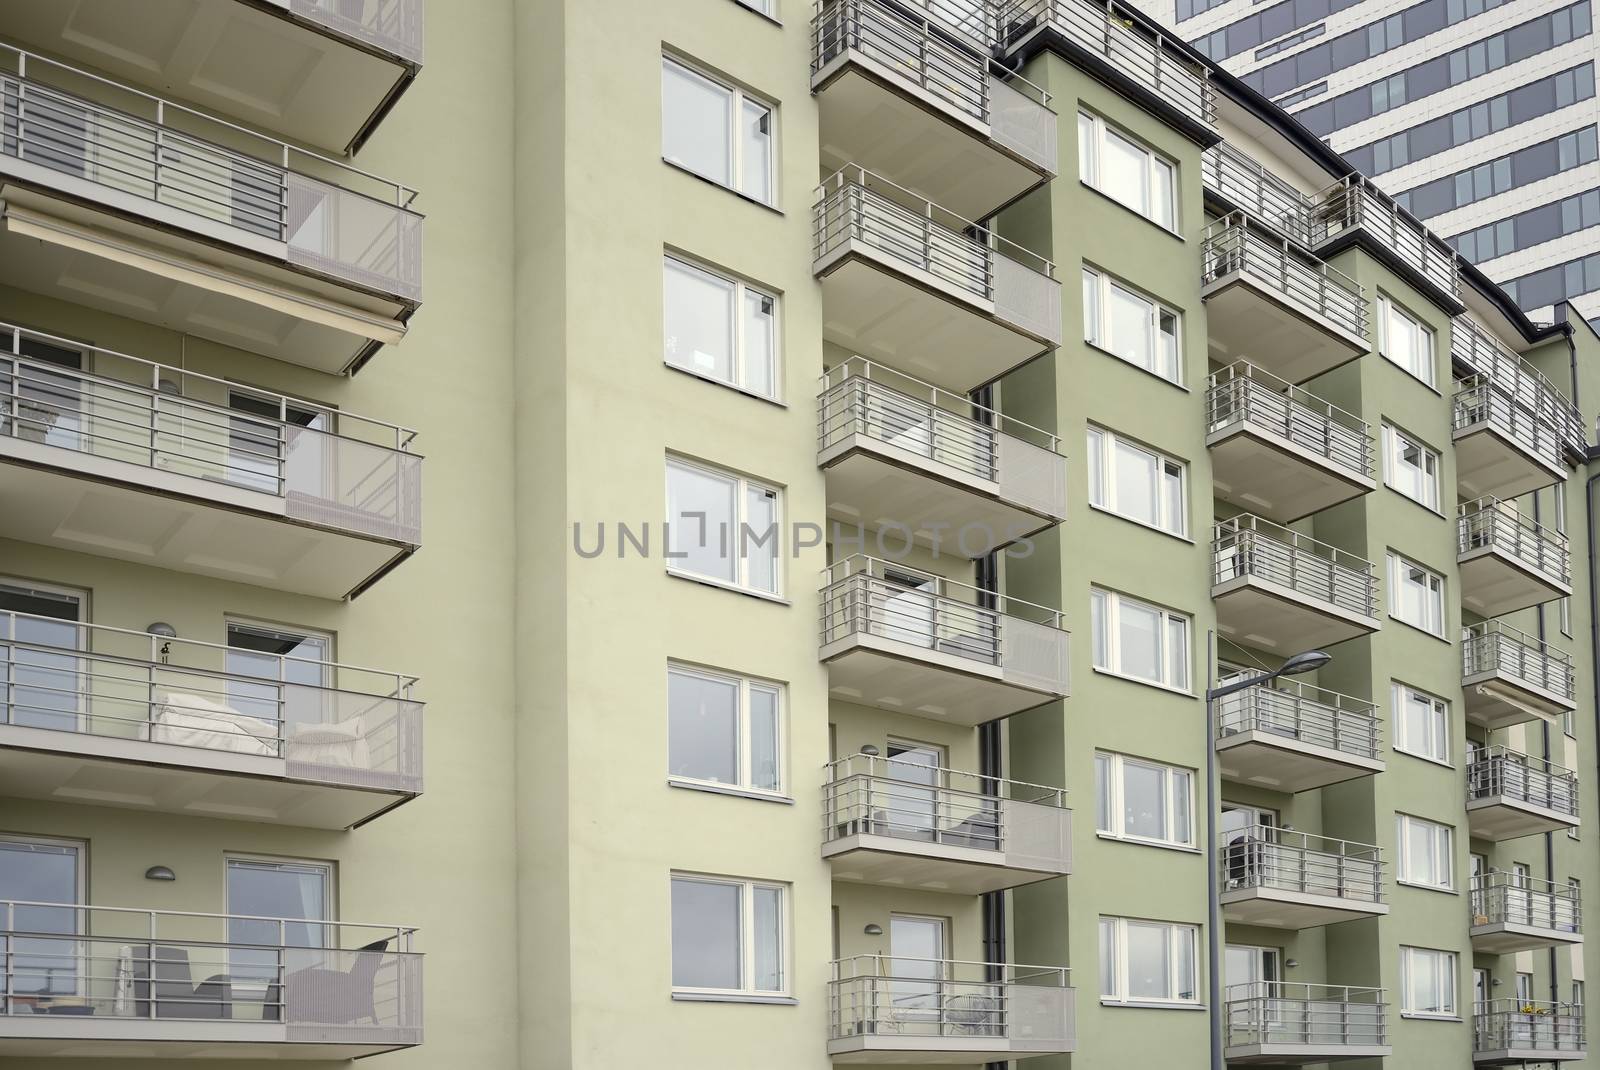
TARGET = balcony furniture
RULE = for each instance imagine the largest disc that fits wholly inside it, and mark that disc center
(191, 720)
(339, 997)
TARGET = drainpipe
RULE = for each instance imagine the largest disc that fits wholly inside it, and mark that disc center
(1214, 1006)
(991, 769)
(1549, 837)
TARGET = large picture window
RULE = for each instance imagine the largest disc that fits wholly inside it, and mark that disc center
(1130, 325)
(1139, 640)
(1416, 595)
(1140, 800)
(1137, 483)
(728, 936)
(716, 131)
(724, 730)
(1426, 851)
(1127, 171)
(1148, 961)
(1427, 982)
(720, 328)
(722, 527)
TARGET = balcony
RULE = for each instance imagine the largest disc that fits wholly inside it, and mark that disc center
(907, 641)
(1513, 912)
(1282, 310)
(908, 283)
(1509, 677)
(1281, 451)
(1286, 1023)
(1353, 206)
(1507, 561)
(1236, 181)
(144, 208)
(150, 463)
(940, 1012)
(109, 717)
(1505, 447)
(1291, 736)
(1527, 1031)
(1281, 879)
(907, 826)
(1283, 591)
(901, 452)
(899, 94)
(114, 983)
(1511, 795)
(1476, 352)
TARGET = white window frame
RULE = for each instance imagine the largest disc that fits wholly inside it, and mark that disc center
(1435, 606)
(746, 685)
(739, 360)
(1439, 712)
(747, 944)
(79, 850)
(768, 8)
(1395, 442)
(1110, 791)
(1442, 843)
(1446, 967)
(1177, 934)
(738, 98)
(743, 484)
(1428, 374)
(1096, 296)
(1110, 615)
(1093, 133)
(1102, 456)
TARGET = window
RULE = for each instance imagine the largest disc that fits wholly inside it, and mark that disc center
(37, 870)
(722, 527)
(1410, 467)
(1427, 982)
(716, 131)
(1136, 483)
(720, 328)
(1140, 641)
(1425, 853)
(1405, 341)
(1558, 496)
(277, 675)
(267, 889)
(1139, 800)
(1524, 987)
(1126, 171)
(1421, 723)
(724, 729)
(1577, 995)
(1416, 595)
(768, 8)
(1148, 961)
(1516, 169)
(728, 936)
(1131, 326)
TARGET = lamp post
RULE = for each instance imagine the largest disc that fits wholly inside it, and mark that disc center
(1305, 662)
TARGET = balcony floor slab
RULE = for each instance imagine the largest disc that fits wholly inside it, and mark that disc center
(1302, 1054)
(1491, 463)
(1494, 583)
(1247, 320)
(908, 678)
(90, 1037)
(1276, 478)
(1507, 938)
(1275, 908)
(887, 1049)
(1280, 762)
(1496, 700)
(934, 867)
(1260, 613)
(1505, 817)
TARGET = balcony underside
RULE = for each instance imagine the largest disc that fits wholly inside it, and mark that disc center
(1302, 1054)
(1505, 817)
(1274, 908)
(1258, 613)
(1489, 462)
(98, 770)
(129, 261)
(923, 866)
(1495, 583)
(75, 1036)
(878, 485)
(871, 117)
(1280, 762)
(111, 508)
(1499, 700)
(1245, 320)
(916, 323)
(891, 1049)
(250, 61)
(1527, 1055)
(1272, 477)
(1505, 938)
(924, 681)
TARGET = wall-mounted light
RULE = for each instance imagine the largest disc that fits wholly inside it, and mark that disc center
(870, 751)
(873, 929)
(1291, 963)
(162, 630)
(160, 873)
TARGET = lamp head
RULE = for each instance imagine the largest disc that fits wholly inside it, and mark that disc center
(161, 629)
(1310, 661)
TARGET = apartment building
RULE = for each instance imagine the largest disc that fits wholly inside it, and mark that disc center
(1477, 115)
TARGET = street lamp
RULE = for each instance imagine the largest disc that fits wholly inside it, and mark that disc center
(1307, 661)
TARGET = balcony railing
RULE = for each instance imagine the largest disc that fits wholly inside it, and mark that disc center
(1479, 353)
(1105, 30)
(1489, 523)
(1354, 202)
(1502, 898)
(330, 468)
(1247, 547)
(1512, 1025)
(330, 217)
(854, 205)
(1231, 245)
(1248, 185)
(1276, 859)
(1300, 711)
(1322, 1017)
(341, 725)
(1499, 772)
(326, 981)
(919, 999)
(394, 26)
(1241, 393)
(1493, 646)
(1480, 399)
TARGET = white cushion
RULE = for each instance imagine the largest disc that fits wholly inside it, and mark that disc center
(198, 721)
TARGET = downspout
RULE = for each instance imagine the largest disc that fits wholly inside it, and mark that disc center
(991, 768)
(1549, 837)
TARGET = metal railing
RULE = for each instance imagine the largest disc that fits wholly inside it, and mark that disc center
(1248, 547)
(1482, 400)
(1479, 353)
(1248, 185)
(331, 467)
(1243, 394)
(1489, 523)
(1499, 772)
(1492, 646)
(65, 126)
(1499, 897)
(890, 997)
(1301, 711)
(1290, 861)
(1355, 202)
(341, 725)
(1534, 1026)
(391, 25)
(1327, 1017)
(1231, 246)
(325, 980)
(1110, 32)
